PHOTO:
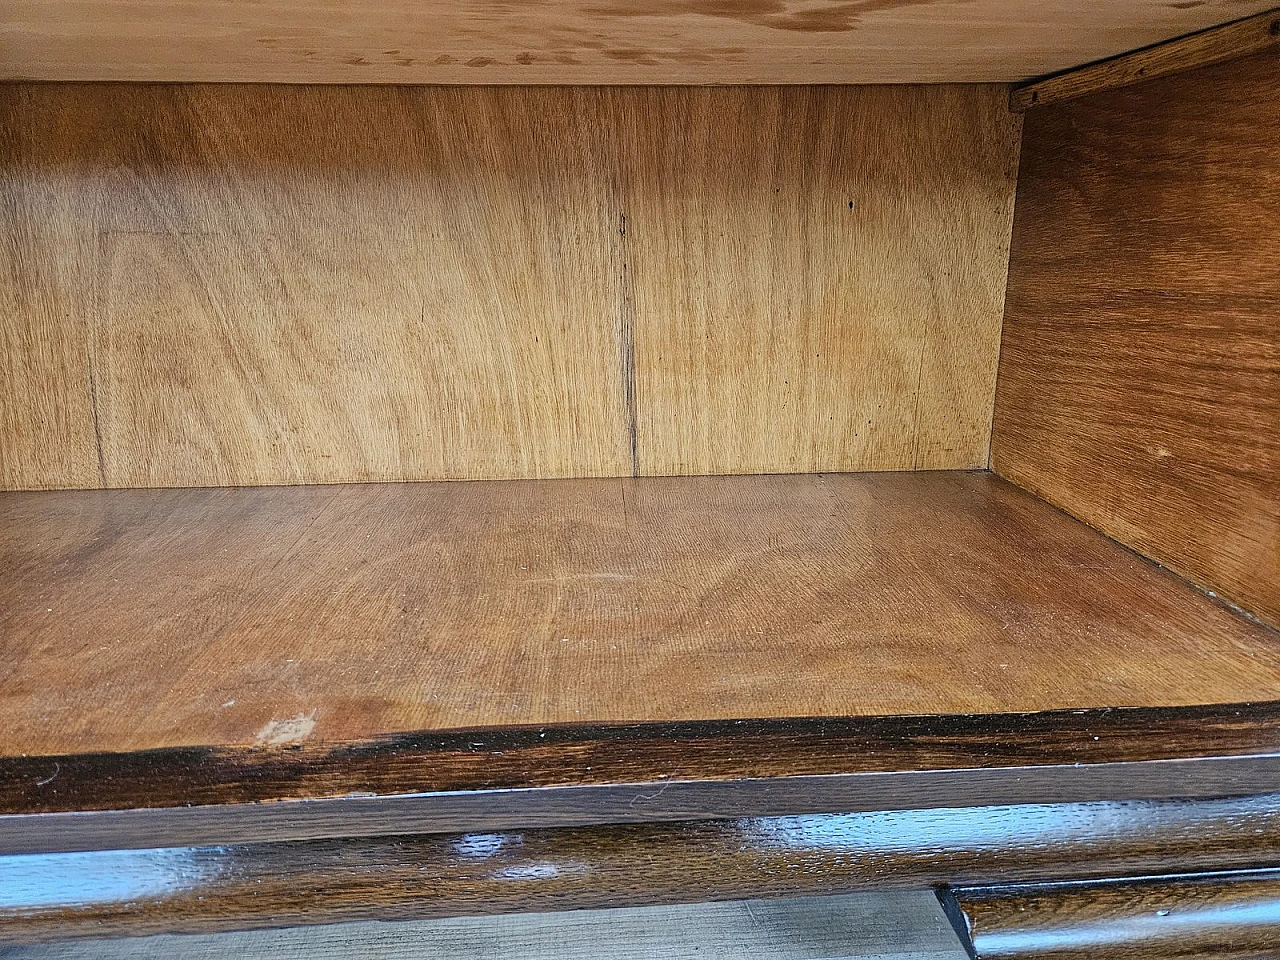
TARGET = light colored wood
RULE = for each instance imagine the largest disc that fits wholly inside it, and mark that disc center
(755, 350)
(269, 295)
(269, 285)
(889, 925)
(140, 619)
(1140, 371)
(584, 41)
(1227, 42)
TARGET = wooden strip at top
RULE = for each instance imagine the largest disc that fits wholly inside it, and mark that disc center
(1238, 39)
(141, 620)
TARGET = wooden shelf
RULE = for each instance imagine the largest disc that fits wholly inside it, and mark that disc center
(572, 41)
(217, 646)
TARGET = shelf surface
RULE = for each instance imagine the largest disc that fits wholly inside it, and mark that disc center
(267, 617)
(584, 41)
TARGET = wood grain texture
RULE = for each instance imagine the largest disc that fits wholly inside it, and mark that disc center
(270, 295)
(234, 886)
(1140, 371)
(746, 353)
(558, 776)
(276, 285)
(1231, 916)
(889, 925)
(271, 615)
(584, 41)
(1226, 42)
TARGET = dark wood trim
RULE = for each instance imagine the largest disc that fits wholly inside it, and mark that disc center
(1226, 42)
(652, 802)
(510, 779)
(225, 887)
(1225, 915)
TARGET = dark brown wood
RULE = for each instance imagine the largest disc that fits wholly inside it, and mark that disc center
(506, 779)
(1225, 42)
(1225, 916)
(259, 618)
(1139, 378)
(273, 884)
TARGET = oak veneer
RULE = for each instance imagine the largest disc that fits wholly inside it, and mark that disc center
(1139, 381)
(584, 41)
(135, 620)
(209, 286)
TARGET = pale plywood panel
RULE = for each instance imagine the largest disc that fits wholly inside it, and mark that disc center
(47, 416)
(276, 299)
(818, 277)
(285, 284)
(585, 41)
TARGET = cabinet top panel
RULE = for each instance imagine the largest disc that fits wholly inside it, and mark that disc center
(584, 41)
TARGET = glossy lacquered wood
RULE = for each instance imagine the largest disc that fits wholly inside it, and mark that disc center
(1224, 916)
(278, 884)
(1139, 378)
(263, 618)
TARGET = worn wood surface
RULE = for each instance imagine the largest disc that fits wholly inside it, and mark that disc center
(1230, 916)
(135, 620)
(573, 776)
(276, 285)
(274, 884)
(889, 925)
(1140, 372)
(1227, 42)
(581, 41)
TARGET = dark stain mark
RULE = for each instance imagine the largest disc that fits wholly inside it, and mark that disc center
(391, 53)
(269, 41)
(643, 57)
(774, 14)
(405, 61)
(651, 58)
(524, 58)
(355, 61)
(1188, 4)
(481, 61)
(444, 60)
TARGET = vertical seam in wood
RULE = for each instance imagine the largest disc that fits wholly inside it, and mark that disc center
(90, 364)
(97, 424)
(626, 336)
(1004, 292)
